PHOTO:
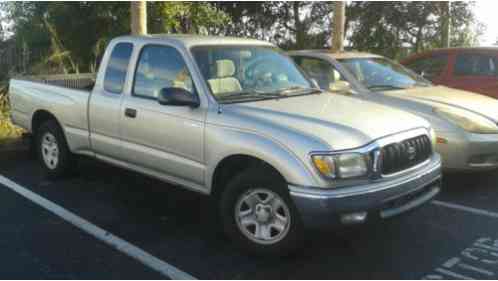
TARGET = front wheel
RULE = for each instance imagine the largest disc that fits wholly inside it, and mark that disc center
(259, 215)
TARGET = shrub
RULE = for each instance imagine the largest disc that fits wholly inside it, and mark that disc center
(7, 130)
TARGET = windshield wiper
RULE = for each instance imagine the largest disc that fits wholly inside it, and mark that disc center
(250, 94)
(422, 84)
(381, 86)
(253, 94)
(298, 90)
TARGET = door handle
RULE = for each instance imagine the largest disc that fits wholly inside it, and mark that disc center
(130, 112)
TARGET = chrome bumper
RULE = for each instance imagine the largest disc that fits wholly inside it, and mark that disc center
(378, 200)
(473, 152)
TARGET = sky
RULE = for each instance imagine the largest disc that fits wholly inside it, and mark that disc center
(486, 12)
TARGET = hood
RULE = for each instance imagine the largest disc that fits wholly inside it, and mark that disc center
(340, 121)
(440, 95)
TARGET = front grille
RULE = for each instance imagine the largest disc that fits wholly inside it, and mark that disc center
(400, 156)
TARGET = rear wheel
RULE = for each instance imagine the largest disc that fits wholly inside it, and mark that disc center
(259, 215)
(53, 151)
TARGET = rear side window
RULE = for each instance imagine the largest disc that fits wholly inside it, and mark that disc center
(475, 64)
(430, 67)
(117, 67)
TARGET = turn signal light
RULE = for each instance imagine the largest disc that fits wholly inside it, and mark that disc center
(441, 140)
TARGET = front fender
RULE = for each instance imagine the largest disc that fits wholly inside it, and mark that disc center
(224, 142)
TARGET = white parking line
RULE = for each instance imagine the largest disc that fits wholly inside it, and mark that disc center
(466, 209)
(99, 233)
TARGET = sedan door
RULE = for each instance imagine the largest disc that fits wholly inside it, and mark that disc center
(163, 140)
(475, 72)
(432, 67)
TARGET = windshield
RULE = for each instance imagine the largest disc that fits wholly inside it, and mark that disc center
(380, 74)
(242, 73)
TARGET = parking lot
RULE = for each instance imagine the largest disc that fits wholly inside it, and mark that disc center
(454, 237)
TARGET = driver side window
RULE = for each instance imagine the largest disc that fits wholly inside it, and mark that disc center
(323, 72)
(430, 67)
(160, 67)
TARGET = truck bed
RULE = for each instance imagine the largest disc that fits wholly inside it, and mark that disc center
(83, 81)
(63, 96)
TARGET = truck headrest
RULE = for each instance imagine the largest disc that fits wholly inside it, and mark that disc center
(225, 68)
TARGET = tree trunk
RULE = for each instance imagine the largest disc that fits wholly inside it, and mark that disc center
(445, 24)
(418, 38)
(138, 11)
(338, 28)
(298, 25)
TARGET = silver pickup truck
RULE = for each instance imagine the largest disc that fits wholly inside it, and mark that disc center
(234, 119)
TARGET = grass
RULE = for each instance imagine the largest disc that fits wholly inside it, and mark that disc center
(8, 131)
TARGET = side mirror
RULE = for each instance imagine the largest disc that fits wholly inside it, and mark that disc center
(177, 97)
(342, 87)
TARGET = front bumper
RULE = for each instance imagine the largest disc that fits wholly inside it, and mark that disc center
(378, 200)
(468, 151)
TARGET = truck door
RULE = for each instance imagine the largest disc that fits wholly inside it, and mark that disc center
(105, 103)
(163, 139)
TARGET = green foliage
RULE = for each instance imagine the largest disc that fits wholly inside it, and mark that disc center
(386, 27)
(70, 37)
(290, 25)
(185, 17)
(66, 35)
(7, 130)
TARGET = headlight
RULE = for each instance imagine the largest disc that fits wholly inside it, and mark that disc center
(342, 166)
(469, 121)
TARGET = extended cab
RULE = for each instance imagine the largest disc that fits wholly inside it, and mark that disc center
(234, 119)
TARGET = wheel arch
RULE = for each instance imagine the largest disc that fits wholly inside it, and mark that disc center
(244, 148)
(233, 164)
(41, 116)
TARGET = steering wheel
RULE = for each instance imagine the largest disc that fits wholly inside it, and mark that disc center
(259, 74)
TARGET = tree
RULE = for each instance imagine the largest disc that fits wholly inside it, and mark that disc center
(71, 37)
(384, 27)
(338, 29)
(2, 32)
(138, 12)
(67, 32)
(291, 25)
(186, 17)
(445, 24)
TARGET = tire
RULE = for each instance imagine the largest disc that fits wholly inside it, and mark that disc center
(53, 152)
(277, 237)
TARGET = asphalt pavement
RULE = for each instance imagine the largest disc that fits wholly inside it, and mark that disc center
(455, 237)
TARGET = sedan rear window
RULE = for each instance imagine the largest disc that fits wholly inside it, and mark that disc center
(380, 74)
(476, 64)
